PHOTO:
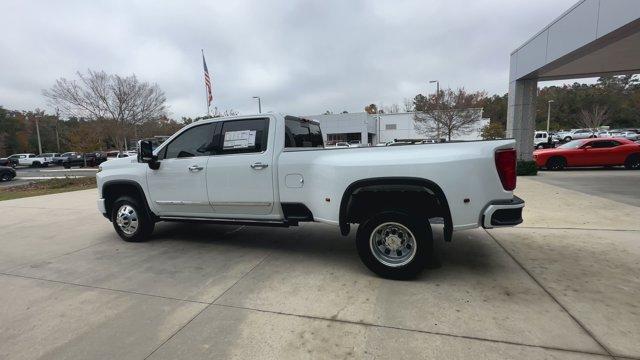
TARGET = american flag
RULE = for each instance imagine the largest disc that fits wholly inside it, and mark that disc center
(207, 81)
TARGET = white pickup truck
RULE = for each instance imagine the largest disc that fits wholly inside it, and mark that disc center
(274, 170)
(31, 160)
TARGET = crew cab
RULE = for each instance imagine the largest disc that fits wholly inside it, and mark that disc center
(31, 160)
(274, 170)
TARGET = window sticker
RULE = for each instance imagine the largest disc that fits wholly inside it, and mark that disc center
(242, 139)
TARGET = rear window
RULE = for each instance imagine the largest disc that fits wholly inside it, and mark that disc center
(302, 133)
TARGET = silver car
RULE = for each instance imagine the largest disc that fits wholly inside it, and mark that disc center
(630, 135)
(578, 134)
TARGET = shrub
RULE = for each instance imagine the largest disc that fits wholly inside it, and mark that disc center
(526, 168)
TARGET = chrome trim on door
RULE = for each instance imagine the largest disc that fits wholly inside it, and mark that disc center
(241, 204)
(169, 202)
(194, 168)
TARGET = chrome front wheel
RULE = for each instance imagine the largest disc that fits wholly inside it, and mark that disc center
(127, 219)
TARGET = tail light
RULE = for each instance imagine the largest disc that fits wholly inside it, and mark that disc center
(506, 166)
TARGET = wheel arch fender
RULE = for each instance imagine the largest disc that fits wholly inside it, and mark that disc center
(113, 188)
(344, 224)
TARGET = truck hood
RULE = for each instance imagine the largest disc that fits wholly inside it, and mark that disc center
(120, 163)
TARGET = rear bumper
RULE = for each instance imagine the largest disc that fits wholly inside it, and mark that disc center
(503, 213)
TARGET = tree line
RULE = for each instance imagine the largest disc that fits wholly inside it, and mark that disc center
(613, 101)
(94, 112)
(103, 112)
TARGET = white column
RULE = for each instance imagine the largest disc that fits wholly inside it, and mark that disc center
(521, 115)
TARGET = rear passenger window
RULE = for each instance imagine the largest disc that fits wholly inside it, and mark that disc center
(302, 133)
(244, 136)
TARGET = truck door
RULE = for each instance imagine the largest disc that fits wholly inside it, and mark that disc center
(179, 186)
(240, 173)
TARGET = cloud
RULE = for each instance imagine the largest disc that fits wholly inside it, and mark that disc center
(300, 56)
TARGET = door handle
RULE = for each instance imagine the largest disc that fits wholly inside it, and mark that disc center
(258, 166)
(194, 168)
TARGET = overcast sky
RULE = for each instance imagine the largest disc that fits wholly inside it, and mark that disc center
(303, 57)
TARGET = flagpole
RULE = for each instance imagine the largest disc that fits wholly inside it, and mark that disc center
(206, 94)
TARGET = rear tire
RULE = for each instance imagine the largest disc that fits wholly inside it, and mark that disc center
(131, 220)
(556, 163)
(632, 162)
(567, 139)
(395, 245)
(6, 177)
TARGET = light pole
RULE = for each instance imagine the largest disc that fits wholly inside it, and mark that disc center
(549, 113)
(437, 106)
(259, 104)
(37, 132)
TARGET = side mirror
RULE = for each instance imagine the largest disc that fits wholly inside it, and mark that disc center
(145, 154)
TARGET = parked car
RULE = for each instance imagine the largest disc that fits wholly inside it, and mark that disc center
(590, 152)
(51, 156)
(8, 161)
(630, 135)
(64, 156)
(7, 173)
(577, 134)
(281, 180)
(31, 160)
(542, 140)
(342, 144)
(87, 159)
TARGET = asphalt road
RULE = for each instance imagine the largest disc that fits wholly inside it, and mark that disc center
(617, 184)
(26, 175)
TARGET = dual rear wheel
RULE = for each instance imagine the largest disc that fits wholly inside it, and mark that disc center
(395, 245)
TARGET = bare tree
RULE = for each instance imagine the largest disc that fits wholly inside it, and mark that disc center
(448, 113)
(595, 118)
(408, 105)
(98, 95)
(392, 109)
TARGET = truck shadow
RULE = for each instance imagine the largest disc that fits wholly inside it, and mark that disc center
(470, 251)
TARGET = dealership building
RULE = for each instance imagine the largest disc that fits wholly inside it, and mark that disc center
(382, 128)
(591, 39)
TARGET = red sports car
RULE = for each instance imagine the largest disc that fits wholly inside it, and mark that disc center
(590, 152)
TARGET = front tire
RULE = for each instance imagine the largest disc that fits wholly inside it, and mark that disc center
(567, 139)
(6, 177)
(632, 162)
(131, 220)
(556, 163)
(395, 245)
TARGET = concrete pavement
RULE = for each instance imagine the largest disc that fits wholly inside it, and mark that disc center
(617, 184)
(553, 288)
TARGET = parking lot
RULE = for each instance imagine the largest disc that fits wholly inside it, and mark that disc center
(26, 175)
(563, 285)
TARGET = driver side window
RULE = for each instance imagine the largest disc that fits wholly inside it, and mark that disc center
(193, 142)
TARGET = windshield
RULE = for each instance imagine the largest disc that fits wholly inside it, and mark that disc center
(571, 144)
